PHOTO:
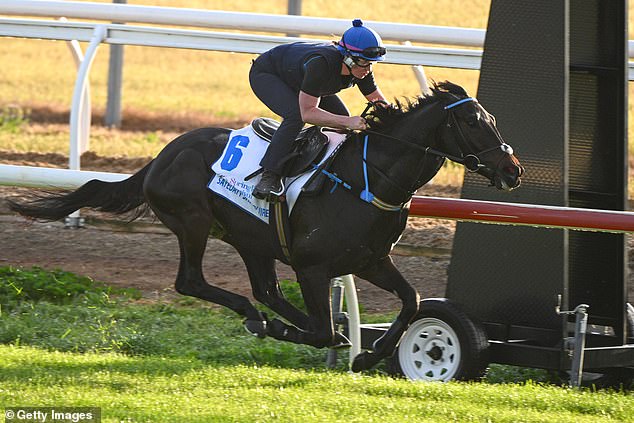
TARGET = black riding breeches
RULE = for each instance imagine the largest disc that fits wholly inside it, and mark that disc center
(284, 102)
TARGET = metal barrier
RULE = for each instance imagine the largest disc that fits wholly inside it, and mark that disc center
(96, 34)
(258, 22)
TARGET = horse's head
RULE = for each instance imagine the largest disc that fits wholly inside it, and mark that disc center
(470, 134)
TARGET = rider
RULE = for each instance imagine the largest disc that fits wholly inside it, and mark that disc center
(299, 82)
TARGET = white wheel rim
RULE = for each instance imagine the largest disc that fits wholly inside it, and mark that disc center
(429, 350)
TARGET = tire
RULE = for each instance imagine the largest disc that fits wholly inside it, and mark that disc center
(441, 344)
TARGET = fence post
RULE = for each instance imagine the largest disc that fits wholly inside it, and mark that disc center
(100, 32)
(294, 8)
(85, 112)
(113, 105)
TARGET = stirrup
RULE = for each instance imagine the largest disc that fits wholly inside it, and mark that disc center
(282, 189)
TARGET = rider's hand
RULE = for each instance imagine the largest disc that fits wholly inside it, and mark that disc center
(384, 104)
(356, 123)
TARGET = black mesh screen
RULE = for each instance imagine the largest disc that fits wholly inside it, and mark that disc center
(553, 73)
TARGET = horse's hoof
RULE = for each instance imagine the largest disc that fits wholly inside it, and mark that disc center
(341, 342)
(277, 329)
(256, 327)
(358, 364)
(364, 361)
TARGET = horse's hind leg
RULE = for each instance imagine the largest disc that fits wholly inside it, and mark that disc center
(320, 331)
(386, 276)
(181, 204)
(192, 233)
(266, 288)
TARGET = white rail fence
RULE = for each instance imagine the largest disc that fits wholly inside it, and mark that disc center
(258, 22)
(97, 33)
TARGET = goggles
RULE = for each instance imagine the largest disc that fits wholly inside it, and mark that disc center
(362, 63)
(374, 52)
(369, 52)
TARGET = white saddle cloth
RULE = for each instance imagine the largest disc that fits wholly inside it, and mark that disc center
(240, 158)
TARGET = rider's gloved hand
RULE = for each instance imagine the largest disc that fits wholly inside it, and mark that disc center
(356, 123)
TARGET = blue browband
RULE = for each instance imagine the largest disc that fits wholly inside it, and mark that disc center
(459, 102)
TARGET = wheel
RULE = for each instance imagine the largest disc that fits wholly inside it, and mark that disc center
(441, 344)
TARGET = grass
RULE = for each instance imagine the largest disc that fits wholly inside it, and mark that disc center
(58, 310)
(188, 362)
(212, 84)
(152, 389)
(215, 83)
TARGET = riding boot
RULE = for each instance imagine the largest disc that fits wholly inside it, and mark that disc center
(269, 187)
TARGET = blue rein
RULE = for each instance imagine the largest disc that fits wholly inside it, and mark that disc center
(366, 195)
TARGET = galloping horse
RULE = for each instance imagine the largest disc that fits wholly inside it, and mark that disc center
(333, 232)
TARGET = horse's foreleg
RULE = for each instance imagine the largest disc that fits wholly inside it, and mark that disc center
(386, 276)
(266, 288)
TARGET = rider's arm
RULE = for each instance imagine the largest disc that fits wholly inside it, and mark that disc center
(370, 91)
(375, 96)
(311, 113)
(315, 69)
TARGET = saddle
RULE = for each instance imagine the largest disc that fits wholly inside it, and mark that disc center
(309, 146)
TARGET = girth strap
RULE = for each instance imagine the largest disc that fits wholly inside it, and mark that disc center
(278, 217)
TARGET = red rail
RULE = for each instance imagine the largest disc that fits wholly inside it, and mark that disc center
(523, 214)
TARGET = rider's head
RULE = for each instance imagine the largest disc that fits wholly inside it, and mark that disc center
(362, 44)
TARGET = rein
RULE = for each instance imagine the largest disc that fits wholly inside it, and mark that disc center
(470, 161)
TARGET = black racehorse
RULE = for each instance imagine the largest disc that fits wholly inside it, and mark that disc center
(333, 233)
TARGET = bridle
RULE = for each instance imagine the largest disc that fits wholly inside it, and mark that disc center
(471, 161)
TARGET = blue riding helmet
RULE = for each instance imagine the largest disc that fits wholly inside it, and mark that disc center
(361, 41)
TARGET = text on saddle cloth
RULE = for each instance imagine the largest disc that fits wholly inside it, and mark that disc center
(241, 158)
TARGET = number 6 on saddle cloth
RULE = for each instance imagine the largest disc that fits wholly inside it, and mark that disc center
(237, 170)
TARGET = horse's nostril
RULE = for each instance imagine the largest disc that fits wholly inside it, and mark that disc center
(515, 171)
(512, 170)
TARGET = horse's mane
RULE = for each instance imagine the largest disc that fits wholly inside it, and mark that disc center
(383, 118)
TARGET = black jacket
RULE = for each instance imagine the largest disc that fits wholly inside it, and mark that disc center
(288, 61)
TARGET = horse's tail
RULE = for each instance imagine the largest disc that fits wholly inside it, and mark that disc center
(111, 197)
